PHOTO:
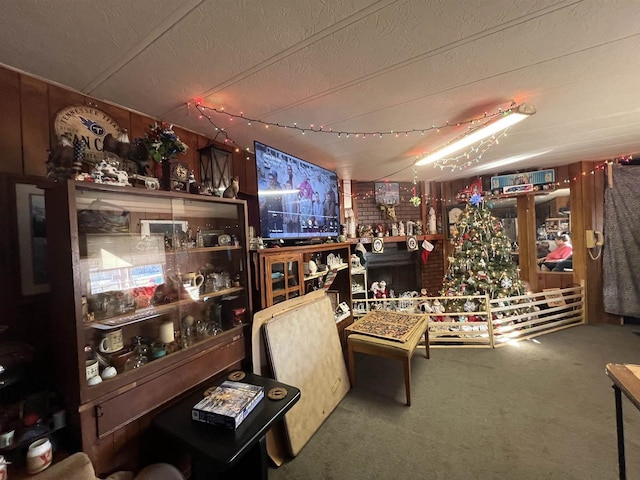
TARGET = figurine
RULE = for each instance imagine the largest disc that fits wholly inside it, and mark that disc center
(232, 190)
(410, 225)
(313, 267)
(379, 289)
(61, 159)
(194, 187)
(432, 221)
(401, 229)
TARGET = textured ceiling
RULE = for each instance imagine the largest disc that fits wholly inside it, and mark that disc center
(354, 66)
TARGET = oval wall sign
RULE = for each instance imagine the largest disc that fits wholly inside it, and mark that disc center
(88, 124)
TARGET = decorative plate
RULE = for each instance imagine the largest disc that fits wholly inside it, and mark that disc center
(377, 246)
(412, 243)
(224, 240)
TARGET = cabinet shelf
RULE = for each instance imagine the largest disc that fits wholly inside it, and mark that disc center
(159, 251)
(150, 313)
(325, 272)
(197, 345)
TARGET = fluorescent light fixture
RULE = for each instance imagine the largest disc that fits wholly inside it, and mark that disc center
(508, 161)
(500, 122)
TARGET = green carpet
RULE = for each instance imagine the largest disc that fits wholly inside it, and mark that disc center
(542, 409)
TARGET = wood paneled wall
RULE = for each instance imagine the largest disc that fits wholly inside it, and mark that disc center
(27, 123)
(587, 213)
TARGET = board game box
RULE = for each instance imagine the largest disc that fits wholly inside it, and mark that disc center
(228, 404)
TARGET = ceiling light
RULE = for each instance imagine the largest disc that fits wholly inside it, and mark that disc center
(500, 122)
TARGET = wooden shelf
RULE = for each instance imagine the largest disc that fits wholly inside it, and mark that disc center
(155, 311)
(324, 272)
(179, 251)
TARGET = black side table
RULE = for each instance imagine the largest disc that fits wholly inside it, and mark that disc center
(219, 452)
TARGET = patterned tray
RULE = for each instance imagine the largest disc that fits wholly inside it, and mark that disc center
(387, 325)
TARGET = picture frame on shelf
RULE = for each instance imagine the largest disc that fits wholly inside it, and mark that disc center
(32, 238)
(387, 193)
(453, 214)
(166, 227)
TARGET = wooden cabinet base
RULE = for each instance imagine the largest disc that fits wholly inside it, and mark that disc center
(113, 431)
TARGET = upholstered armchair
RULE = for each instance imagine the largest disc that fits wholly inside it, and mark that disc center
(78, 467)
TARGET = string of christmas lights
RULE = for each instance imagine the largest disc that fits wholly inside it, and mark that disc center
(219, 130)
(451, 162)
(559, 184)
(202, 109)
(454, 163)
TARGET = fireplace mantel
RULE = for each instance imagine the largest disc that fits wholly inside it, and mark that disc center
(397, 239)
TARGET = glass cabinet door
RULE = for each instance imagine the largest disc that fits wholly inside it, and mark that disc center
(157, 276)
(283, 278)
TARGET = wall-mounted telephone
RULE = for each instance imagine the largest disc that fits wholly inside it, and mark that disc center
(594, 238)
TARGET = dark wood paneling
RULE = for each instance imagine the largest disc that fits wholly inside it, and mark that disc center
(11, 137)
(191, 155)
(527, 240)
(587, 191)
(244, 167)
(121, 116)
(36, 139)
(139, 125)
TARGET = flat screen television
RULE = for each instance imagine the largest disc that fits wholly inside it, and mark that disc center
(298, 200)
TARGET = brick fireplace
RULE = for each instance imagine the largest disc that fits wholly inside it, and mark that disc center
(404, 271)
(397, 266)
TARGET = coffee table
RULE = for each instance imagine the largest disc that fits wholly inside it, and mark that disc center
(390, 335)
(219, 452)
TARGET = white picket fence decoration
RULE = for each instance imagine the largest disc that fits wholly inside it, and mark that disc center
(497, 321)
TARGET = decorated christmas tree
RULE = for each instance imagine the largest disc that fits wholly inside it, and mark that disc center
(481, 262)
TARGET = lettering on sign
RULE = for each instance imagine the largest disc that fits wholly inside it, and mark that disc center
(89, 125)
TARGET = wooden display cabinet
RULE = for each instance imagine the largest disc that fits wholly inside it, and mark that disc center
(359, 291)
(163, 269)
(282, 273)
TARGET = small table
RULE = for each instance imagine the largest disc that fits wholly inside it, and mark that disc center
(378, 343)
(219, 452)
(626, 378)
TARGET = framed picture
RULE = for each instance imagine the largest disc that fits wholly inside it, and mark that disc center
(166, 227)
(32, 239)
(453, 214)
(387, 193)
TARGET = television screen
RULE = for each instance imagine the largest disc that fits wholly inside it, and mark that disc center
(297, 199)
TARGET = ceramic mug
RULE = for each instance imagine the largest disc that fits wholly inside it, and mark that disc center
(111, 341)
(39, 455)
(192, 279)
